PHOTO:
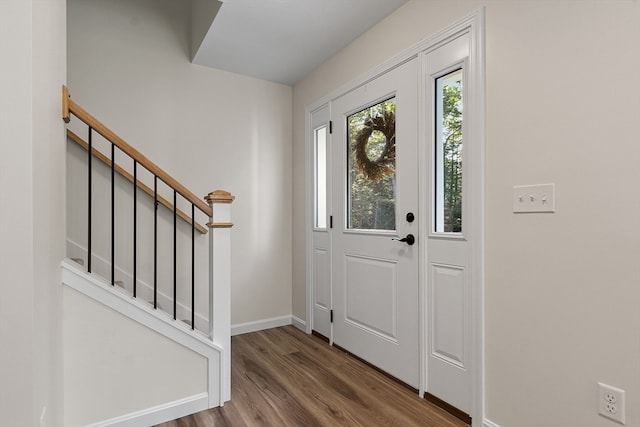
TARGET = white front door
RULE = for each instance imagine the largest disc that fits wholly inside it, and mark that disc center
(374, 204)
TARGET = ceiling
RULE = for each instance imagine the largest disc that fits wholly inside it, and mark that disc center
(284, 40)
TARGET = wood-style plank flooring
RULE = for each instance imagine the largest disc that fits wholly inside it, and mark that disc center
(284, 377)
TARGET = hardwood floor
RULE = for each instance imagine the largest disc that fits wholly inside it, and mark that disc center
(284, 377)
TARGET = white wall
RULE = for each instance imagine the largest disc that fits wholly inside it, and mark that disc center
(562, 292)
(16, 225)
(32, 241)
(49, 73)
(129, 66)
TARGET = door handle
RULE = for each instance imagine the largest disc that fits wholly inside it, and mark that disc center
(409, 240)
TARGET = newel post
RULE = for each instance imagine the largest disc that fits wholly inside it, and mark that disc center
(220, 281)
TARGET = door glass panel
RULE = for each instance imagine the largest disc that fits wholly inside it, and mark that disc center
(320, 137)
(448, 153)
(372, 167)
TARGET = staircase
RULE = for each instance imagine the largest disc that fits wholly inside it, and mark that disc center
(146, 286)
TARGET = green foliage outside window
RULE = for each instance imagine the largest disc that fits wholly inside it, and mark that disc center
(452, 154)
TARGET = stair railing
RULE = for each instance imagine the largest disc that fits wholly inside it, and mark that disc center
(219, 223)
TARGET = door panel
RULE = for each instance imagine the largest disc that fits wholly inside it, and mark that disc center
(448, 330)
(371, 295)
(321, 270)
(375, 278)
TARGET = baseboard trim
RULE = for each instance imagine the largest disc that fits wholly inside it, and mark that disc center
(299, 323)
(488, 423)
(259, 325)
(158, 414)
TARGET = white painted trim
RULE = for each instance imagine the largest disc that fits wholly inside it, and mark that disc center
(260, 325)
(299, 323)
(423, 224)
(488, 423)
(112, 297)
(476, 99)
(308, 213)
(220, 291)
(474, 24)
(76, 250)
(158, 414)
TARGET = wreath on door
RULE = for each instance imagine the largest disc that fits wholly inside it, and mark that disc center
(384, 165)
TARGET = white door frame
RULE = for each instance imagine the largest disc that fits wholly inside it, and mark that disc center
(474, 25)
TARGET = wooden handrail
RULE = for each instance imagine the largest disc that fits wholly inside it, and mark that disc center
(70, 107)
(104, 159)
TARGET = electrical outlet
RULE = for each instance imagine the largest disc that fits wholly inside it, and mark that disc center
(611, 402)
(610, 397)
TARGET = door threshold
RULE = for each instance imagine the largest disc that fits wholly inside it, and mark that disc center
(319, 335)
(458, 413)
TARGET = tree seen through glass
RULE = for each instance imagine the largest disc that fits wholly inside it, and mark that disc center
(371, 167)
(451, 145)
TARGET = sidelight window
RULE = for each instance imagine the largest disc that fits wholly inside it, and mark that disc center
(320, 155)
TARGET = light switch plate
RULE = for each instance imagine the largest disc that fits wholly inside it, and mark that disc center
(534, 198)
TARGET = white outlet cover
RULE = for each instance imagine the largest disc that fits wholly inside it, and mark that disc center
(611, 403)
(534, 198)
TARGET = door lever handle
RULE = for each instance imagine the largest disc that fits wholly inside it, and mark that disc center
(409, 240)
